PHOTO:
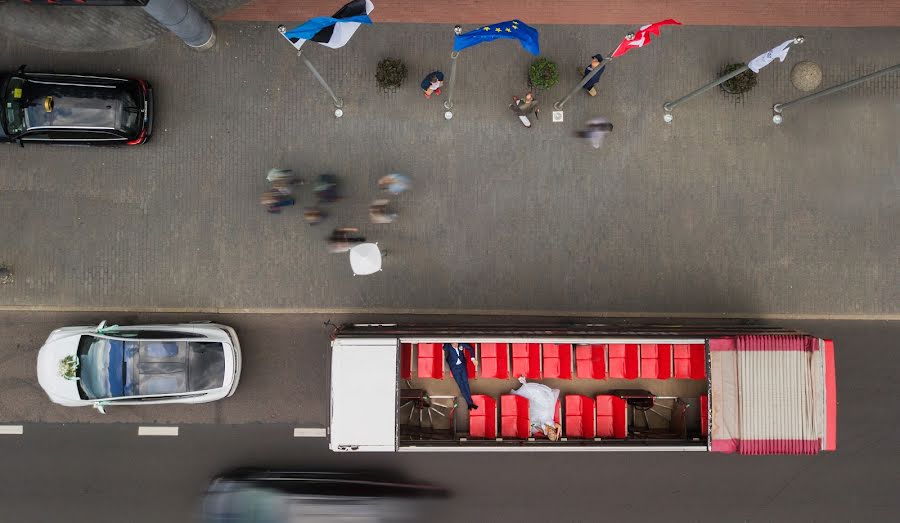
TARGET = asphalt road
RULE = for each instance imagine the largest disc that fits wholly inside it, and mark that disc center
(105, 472)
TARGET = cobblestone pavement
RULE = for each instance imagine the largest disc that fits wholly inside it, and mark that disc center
(785, 13)
(719, 212)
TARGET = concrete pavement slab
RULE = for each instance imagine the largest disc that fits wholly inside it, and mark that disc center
(718, 212)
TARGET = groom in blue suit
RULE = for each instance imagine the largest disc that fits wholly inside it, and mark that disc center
(455, 354)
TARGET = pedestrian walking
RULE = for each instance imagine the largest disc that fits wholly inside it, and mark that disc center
(276, 174)
(595, 131)
(394, 183)
(273, 201)
(314, 215)
(432, 83)
(595, 65)
(327, 189)
(342, 239)
(380, 212)
(525, 106)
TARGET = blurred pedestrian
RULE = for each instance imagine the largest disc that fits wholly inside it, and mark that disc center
(596, 60)
(432, 83)
(273, 201)
(394, 183)
(525, 106)
(342, 239)
(380, 212)
(595, 131)
(326, 188)
(280, 174)
(314, 215)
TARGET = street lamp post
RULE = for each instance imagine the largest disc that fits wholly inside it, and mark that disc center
(777, 118)
(448, 105)
(338, 102)
(668, 106)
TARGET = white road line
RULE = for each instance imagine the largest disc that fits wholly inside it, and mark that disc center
(12, 430)
(157, 431)
(303, 432)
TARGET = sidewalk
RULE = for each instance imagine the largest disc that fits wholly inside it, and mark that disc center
(719, 212)
(766, 13)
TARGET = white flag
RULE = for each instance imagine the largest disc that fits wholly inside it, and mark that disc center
(765, 59)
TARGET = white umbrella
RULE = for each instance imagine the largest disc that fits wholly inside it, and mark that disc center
(365, 258)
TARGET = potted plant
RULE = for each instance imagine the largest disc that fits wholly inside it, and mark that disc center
(390, 73)
(543, 74)
(739, 84)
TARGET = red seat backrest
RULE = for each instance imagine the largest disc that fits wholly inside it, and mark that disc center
(495, 360)
(623, 361)
(656, 361)
(405, 361)
(483, 420)
(690, 361)
(430, 360)
(704, 414)
(611, 417)
(526, 360)
(514, 422)
(590, 361)
(558, 360)
(580, 417)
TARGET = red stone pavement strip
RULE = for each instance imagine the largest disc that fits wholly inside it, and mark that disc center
(808, 13)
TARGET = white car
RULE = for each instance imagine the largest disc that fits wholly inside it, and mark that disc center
(139, 365)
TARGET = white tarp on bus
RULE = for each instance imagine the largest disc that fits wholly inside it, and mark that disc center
(772, 394)
(363, 394)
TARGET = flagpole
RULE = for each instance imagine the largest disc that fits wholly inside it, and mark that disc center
(559, 105)
(448, 104)
(668, 106)
(777, 118)
(338, 102)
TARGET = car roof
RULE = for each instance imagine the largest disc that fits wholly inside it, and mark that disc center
(76, 102)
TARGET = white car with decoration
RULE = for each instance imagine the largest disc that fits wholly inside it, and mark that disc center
(107, 365)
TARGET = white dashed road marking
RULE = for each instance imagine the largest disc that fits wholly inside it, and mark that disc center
(157, 431)
(301, 432)
(12, 430)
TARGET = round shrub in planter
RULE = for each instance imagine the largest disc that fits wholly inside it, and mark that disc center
(543, 74)
(390, 73)
(741, 83)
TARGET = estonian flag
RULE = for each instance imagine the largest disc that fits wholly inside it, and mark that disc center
(333, 31)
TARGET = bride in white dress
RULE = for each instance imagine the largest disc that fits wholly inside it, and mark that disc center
(541, 407)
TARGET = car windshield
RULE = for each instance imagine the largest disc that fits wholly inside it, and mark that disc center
(14, 98)
(112, 368)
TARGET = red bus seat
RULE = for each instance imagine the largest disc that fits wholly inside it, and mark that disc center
(431, 361)
(483, 420)
(690, 361)
(495, 360)
(704, 414)
(405, 361)
(611, 417)
(580, 417)
(514, 422)
(590, 361)
(526, 360)
(656, 361)
(558, 360)
(623, 361)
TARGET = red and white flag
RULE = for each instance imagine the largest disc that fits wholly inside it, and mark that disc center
(641, 37)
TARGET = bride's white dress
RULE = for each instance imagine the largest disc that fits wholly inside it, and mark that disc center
(541, 403)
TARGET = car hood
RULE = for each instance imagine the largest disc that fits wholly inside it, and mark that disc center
(59, 389)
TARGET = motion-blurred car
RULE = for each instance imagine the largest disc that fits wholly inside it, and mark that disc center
(74, 109)
(139, 365)
(266, 496)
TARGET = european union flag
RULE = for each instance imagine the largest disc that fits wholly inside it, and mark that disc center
(517, 29)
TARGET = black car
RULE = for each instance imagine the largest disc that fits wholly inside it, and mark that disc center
(74, 109)
(269, 496)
